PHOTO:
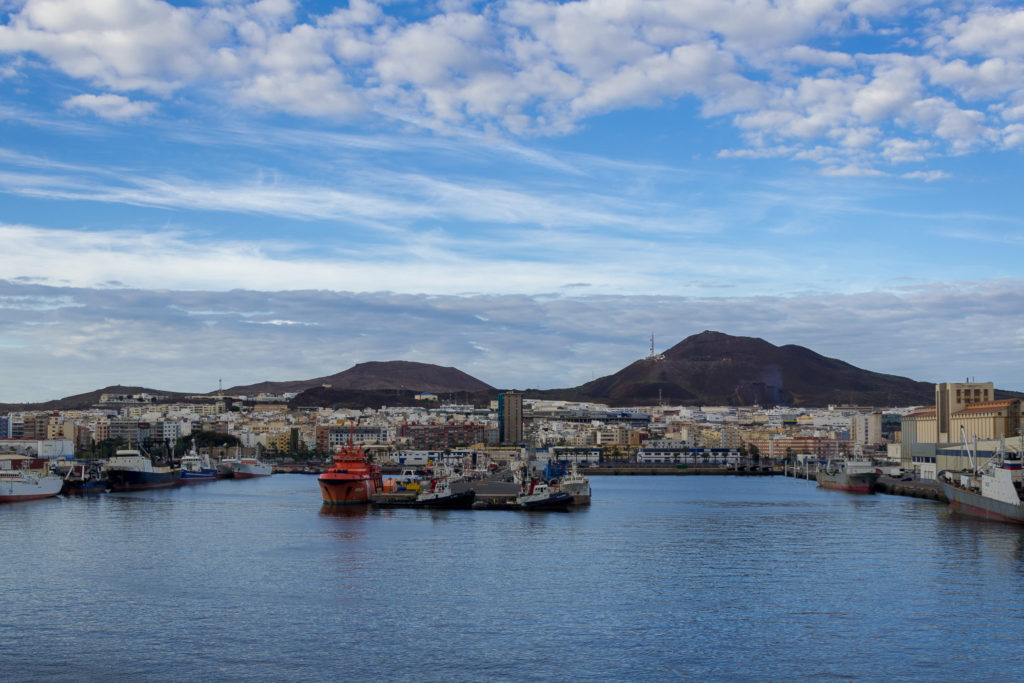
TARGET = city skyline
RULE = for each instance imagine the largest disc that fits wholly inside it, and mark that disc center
(523, 190)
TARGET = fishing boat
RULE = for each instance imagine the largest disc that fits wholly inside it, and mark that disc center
(19, 485)
(437, 494)
(352, 479)
(989, 492)
(855, 476)
(84, 478)
(134, 470)
(576, 484)
(533, 495)
(196, 468)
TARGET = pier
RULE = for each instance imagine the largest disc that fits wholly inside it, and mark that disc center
(912, 488)
(631, 469)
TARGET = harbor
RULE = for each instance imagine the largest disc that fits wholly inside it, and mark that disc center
(626, 584)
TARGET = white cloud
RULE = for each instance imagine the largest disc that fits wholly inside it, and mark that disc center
(531, 67)
(113, 107)
(927, 176)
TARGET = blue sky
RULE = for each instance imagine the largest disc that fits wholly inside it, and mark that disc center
(524, 190)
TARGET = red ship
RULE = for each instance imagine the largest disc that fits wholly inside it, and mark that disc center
(352, 479)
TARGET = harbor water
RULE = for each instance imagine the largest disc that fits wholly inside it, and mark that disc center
(703, 577)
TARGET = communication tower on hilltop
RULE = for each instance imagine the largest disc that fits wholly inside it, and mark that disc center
(654, 356)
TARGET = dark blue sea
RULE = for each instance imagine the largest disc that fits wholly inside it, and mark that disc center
(683, 578)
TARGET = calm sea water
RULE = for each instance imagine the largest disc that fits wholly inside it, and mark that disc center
(711, 578)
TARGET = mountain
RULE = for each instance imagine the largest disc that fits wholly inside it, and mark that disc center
(379, 376)
(712, 368)
(90, 399)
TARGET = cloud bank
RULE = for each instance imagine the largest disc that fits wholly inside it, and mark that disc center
(188, 340)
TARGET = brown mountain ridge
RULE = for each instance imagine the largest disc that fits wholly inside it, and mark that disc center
(710, 368)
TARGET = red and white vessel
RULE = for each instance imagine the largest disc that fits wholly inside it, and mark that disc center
(250, 468)
(352, 479)
(17, 485)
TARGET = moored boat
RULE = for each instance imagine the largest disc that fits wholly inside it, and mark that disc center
(133, 470)
(854, 476)
(989, 492)
(196, 468)
(437, 494)
(533, 495)
(249, 468)
(576, 484)
(352, 479)
(19, 485)
(84, 479)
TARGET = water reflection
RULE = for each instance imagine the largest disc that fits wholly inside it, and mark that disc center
(354, 511)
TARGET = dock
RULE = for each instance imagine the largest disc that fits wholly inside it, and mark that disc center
(633, 470)
(912, 488)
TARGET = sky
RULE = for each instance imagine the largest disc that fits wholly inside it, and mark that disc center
(225, 191)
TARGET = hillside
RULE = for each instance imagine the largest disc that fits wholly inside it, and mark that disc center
(88, 400)
(712, 368)
(379, 376)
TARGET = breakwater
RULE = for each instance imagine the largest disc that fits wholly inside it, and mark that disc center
(675, 470)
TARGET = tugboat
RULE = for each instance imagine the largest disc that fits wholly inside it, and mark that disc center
(438, 495)
(992, 492)
(133, 470)
(352, 479)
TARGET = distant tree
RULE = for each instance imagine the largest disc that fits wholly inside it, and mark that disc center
(213, 440)
(755, 453)
(104, 449)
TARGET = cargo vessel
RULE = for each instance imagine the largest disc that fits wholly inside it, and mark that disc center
(18, 485)
(989, 492)
(855, 476)
(133, 470)
(352, 479)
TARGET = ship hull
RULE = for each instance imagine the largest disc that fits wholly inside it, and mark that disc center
(851, 483)
(456, 501)
(126, 480)
(975, 505)
(17, 491)
(560, 501)
(250, 475)
(346, 491)
(190, 477)
(84, 488)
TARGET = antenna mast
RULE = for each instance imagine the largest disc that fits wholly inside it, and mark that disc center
(654, 356)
